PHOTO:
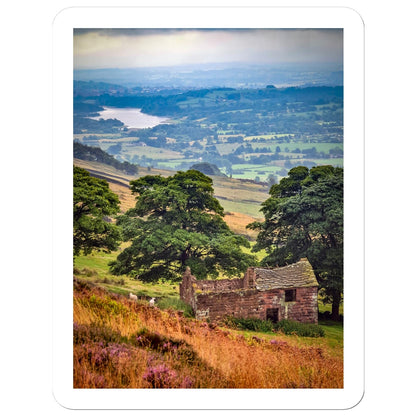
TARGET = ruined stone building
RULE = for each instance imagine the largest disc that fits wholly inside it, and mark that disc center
(289, 292)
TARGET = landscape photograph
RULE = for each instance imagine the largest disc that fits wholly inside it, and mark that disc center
(208, 219)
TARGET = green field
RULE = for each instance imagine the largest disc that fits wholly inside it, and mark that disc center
(94, 268)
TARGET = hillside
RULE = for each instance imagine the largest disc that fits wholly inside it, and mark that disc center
(122, 343)
(96, 154)
(241, 199)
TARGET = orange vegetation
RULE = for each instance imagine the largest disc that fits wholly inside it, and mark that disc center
(119, 343)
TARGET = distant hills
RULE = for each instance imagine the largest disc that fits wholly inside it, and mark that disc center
(217, 75)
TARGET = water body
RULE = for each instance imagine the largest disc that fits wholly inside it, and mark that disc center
(133, 118)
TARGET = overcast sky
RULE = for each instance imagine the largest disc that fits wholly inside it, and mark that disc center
(129, 48)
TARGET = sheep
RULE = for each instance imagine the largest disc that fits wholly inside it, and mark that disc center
(152, 302)
(133, 297)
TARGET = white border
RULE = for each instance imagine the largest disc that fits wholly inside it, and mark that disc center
(210, 17)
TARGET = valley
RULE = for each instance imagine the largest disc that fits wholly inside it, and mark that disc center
(257, 134)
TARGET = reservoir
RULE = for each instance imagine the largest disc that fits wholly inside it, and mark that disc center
(132, 117)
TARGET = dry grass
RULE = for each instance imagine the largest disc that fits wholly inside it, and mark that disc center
(238, 222)
(120, 343)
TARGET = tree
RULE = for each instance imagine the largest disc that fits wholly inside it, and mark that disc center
(177, 222)
(304, 218)
(93, 203)
(271, 180)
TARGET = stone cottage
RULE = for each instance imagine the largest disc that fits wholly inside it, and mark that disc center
(289, 292)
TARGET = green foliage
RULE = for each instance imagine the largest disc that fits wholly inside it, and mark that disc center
(86, 271)
(177, 222)
(110, 306)
(93, 203)
(285, 326)
(300, 329)
(177, 304)
(250, 324)
(304, 218)
(84, 125)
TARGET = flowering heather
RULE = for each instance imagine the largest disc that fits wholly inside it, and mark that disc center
(278, 344)
(186, 383)
(160, 377)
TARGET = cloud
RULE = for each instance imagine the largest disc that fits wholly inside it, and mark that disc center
(99, 48)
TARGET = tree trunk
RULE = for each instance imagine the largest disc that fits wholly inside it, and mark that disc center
(336, 300)
(185, 255)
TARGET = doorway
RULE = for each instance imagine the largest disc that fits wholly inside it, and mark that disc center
(272, 314)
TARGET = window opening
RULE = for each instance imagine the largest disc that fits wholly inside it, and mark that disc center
(290, 295)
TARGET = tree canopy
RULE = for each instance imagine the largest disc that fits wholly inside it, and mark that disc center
(93, 204)
(304, 218)
(177, 222)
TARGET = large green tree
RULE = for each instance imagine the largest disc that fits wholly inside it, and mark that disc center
(93, 205)
(177, 222)
(304, 218)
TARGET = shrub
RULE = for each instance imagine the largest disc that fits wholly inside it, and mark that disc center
(300, 329)
(285, 326)
(176, 304)
(160, 376)
(96, 333)
(327, 316)
(89, 272)
(156, 341)
(251, 324)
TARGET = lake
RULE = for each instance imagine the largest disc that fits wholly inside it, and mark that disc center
(132, 117)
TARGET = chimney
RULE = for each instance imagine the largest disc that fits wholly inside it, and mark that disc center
(249, 278)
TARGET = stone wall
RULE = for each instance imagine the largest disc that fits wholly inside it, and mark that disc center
(241, 303)
(303, 309)
(251, 303)
(221, 285)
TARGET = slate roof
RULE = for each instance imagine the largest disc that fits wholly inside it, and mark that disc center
(299, 274)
